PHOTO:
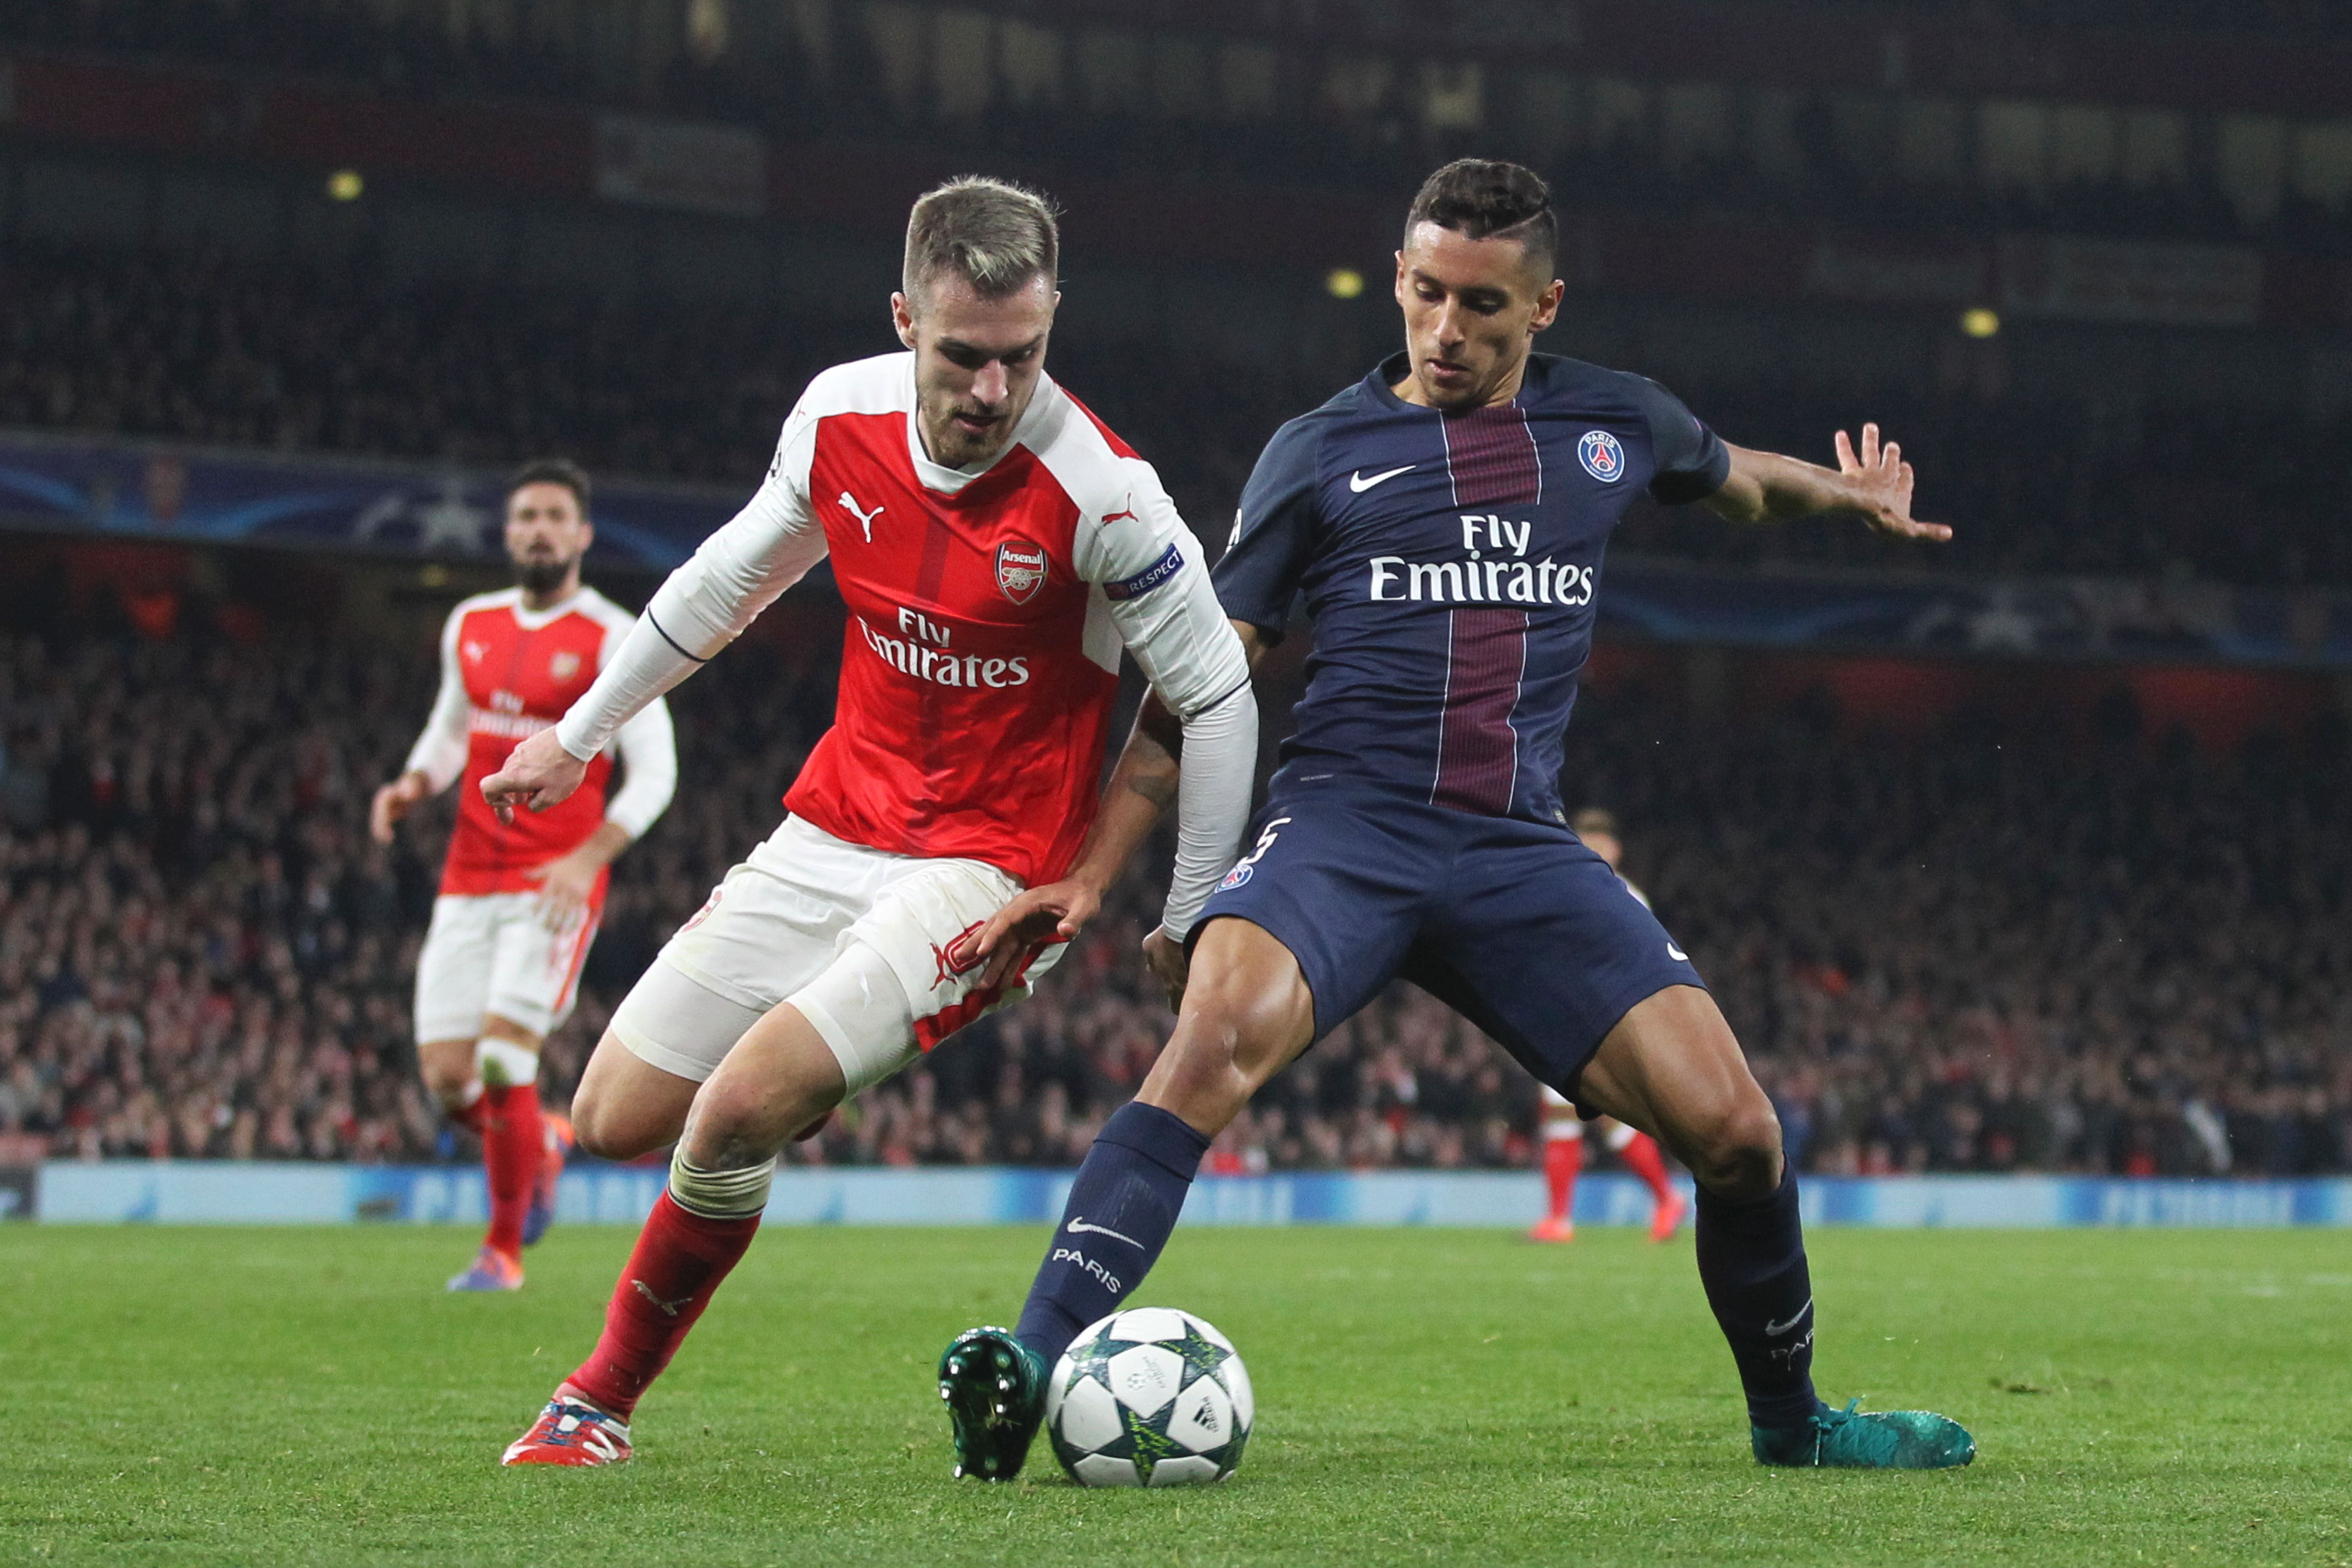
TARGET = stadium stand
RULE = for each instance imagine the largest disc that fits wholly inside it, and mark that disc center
(1992, 947)
(1155, 91)
(202, 347)
(2095, 965)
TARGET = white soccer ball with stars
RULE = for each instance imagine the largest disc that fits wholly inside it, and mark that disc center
(1150, 1397)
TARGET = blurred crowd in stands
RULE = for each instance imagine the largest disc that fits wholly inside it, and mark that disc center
(328, 359)
(1330, 116)
(1996, 949)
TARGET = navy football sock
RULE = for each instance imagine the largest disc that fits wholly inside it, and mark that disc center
(1122, 1208)
(1751, 1259)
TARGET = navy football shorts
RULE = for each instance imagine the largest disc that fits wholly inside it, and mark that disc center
(1516, 925)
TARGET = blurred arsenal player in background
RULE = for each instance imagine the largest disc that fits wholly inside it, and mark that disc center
(520, 901)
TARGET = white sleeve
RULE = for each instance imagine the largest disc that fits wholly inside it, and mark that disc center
(1151, 572)
(440, 750)
(649, 746)
(765, 549)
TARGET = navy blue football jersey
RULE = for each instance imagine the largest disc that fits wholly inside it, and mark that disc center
(1450, 563)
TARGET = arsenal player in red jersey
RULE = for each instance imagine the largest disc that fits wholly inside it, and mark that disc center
(519, 899)
(997, 547)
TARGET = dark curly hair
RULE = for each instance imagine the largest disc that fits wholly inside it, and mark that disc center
(1481, 198)
(553, 471)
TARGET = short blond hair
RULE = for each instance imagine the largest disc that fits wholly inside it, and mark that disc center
(994, 235)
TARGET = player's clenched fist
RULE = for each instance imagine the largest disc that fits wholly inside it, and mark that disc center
(394, 800)
(539, 774)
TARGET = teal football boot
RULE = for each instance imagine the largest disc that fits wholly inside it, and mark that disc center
(994, 1387)
(1875, 1440)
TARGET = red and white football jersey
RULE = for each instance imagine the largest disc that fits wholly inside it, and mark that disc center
(508, 672)
(987, 611)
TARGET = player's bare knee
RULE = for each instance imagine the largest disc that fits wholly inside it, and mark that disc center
(1737, 1154)
(596, 1131)
(445, 1085)
(738, 1120)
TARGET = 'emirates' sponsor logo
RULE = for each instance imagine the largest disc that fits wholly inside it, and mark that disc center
(937, 665)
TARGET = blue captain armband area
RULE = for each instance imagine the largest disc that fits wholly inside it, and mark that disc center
(1169, 562)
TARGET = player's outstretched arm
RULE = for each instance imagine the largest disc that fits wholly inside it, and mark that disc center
(1873, 484)
(439, 754)
(1148, 779)
(1142, 785)
(699, 610)
(539, 774)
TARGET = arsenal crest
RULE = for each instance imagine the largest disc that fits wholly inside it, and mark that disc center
(563, 665)
(1019, 569)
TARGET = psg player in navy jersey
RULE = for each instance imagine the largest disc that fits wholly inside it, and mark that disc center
(1443, 521)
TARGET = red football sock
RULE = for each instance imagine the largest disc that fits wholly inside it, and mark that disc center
(680, 1259)
(1563, 1157)
(472, 1114)
(1641, 1157)
(514, 1141)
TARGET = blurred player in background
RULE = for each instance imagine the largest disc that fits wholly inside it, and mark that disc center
(520, 901)
(997, 546)
(1563, 1130)
(1444, 521)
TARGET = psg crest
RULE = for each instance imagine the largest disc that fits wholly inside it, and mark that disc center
(1019, 569)
(1603, 458)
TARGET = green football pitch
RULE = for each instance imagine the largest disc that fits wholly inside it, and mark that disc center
(278, 1396)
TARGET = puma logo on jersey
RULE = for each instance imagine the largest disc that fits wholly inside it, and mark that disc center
(865, 519)
(1359, 484)
(1129, 514)
(474, 650)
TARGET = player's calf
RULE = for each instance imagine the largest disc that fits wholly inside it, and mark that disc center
(1247, 1014)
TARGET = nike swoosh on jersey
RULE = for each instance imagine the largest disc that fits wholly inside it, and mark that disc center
(1078, 1227)
(1676, 953)
(1358, 483)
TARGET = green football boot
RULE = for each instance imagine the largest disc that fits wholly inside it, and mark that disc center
(1875, 1440)
(994, 1388)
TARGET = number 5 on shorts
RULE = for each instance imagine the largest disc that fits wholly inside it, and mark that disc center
(1246, 867)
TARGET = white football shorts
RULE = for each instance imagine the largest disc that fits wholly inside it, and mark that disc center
(493, 952)
(864, 942)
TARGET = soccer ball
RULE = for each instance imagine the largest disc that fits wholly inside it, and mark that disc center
(1149, 1397)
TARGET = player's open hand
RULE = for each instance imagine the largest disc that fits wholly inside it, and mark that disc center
(1054, 912)
(394, 800)
(1879, 482)
(539, 774)
(565, 885)
(1165, 957)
